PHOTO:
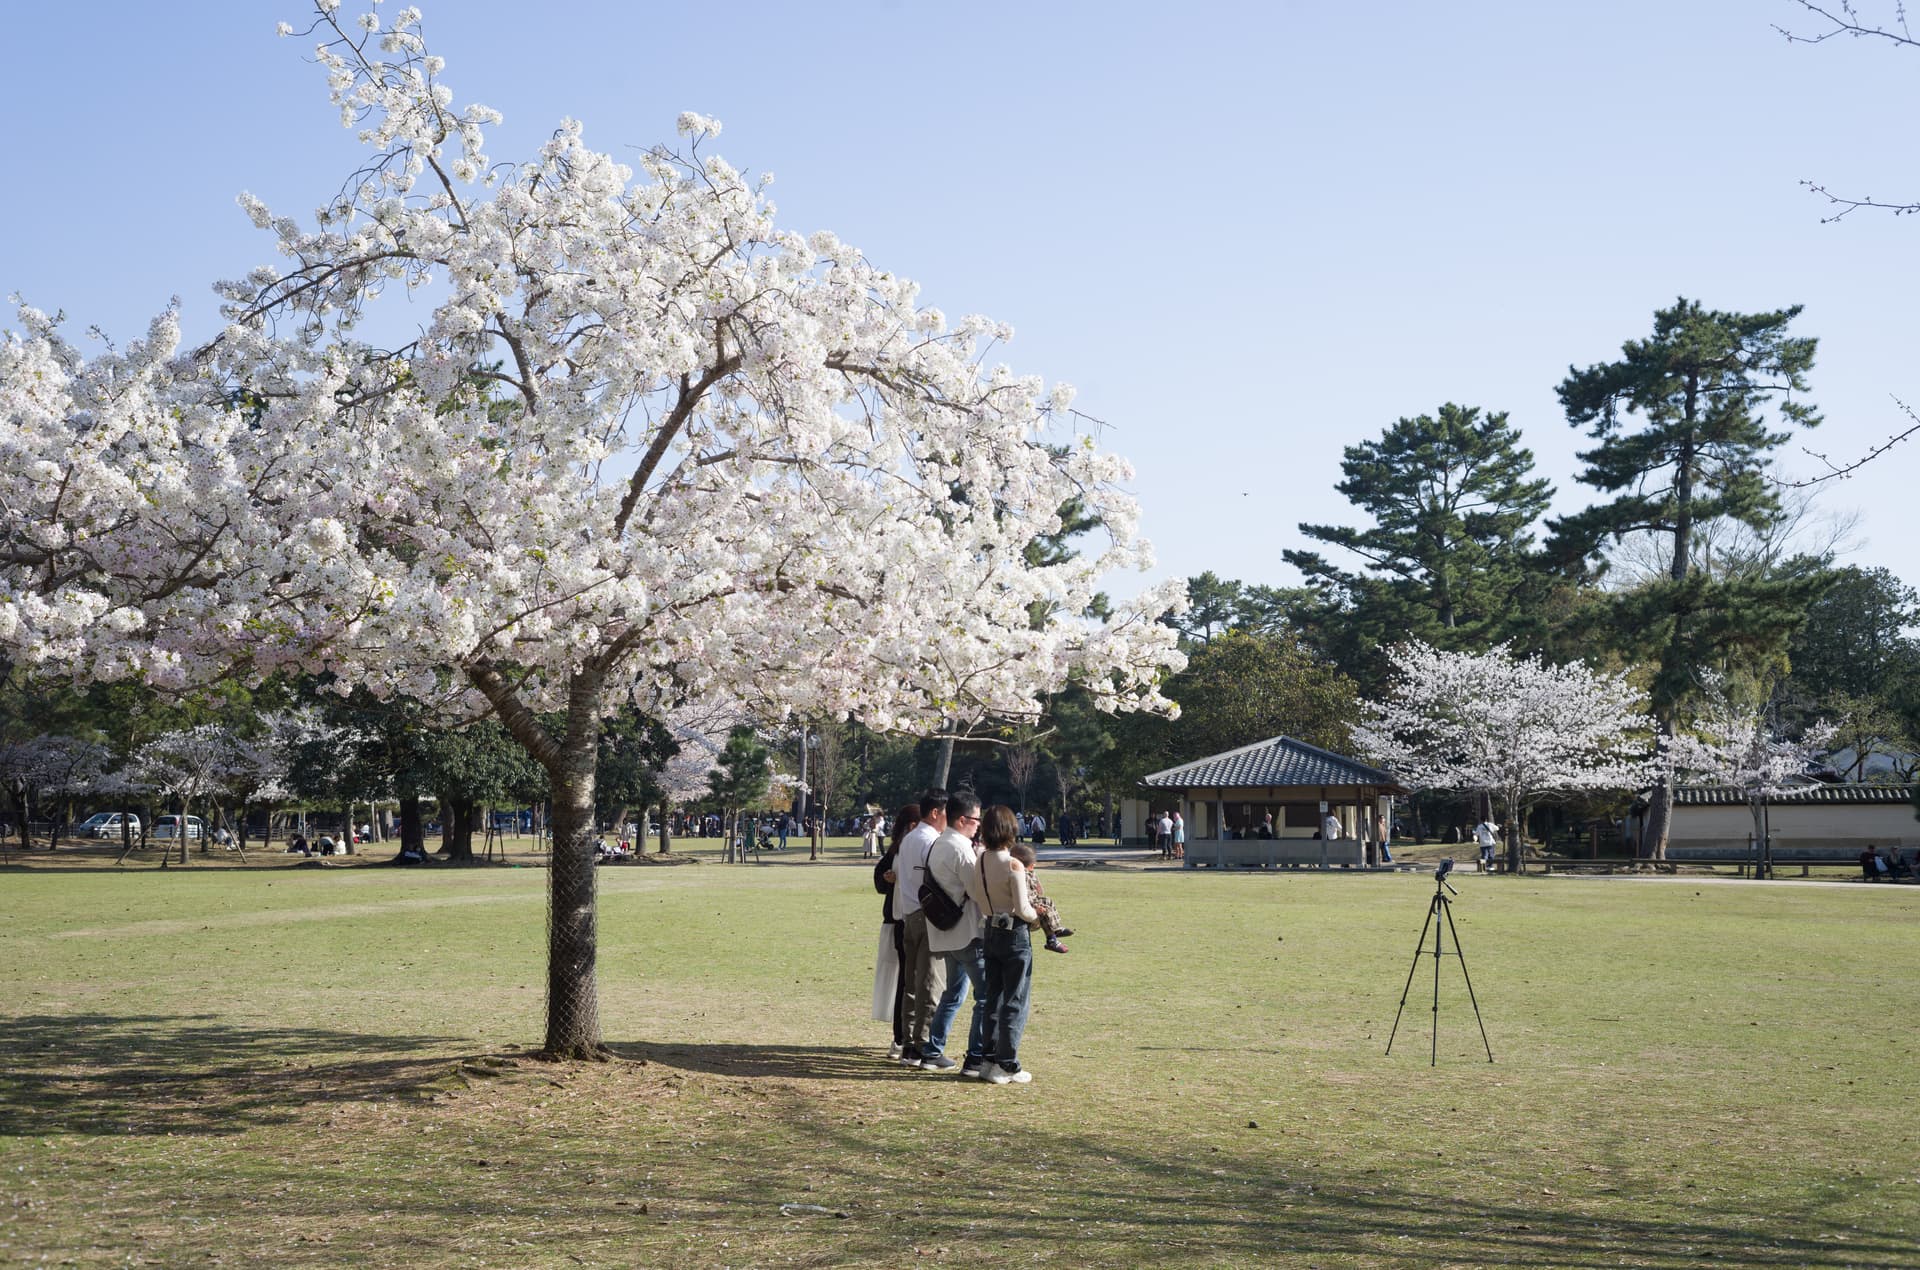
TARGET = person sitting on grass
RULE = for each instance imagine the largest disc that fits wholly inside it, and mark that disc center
(1050, 923)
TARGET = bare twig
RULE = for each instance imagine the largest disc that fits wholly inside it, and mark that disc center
(1840, 472)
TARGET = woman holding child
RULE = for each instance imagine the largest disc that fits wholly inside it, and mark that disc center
(1005, 897)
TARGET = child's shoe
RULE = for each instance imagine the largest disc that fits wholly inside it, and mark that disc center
(1054, 945)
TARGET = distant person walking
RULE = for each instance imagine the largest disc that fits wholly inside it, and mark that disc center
(1488, 838)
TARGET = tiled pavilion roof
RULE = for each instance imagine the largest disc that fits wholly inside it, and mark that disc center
(1280, 760)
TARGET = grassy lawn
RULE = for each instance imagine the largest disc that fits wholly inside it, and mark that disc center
(325, 1067)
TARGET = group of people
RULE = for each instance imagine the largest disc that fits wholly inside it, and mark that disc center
(1878, 866)
(621, 848)
(323, 845)
(971, 931)
(1170, 835)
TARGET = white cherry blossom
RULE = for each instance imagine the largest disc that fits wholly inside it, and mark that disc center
(1514, 727)
(649, 446)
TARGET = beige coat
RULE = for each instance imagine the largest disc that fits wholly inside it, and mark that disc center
(999, 885)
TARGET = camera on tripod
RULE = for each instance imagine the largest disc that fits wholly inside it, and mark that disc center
(1440, 922)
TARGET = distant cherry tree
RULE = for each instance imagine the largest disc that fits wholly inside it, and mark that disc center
(1733, 745)
(1514, 727)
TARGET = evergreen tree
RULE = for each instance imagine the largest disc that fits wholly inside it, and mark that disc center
(1452, 498)
(1213, 606)
(1239, 689)
(1855, 663)
(739, 779)
(1682, 442)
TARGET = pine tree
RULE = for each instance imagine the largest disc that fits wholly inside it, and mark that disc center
(1683, 442)
(1452, 498)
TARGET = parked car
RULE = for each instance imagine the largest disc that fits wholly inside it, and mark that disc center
(169, 827)
(108, 824)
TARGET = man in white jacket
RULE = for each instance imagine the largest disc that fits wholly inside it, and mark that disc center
(923, 977)
(950, 863)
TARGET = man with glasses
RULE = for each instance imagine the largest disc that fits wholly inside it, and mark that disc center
(923, 977)
(950, 864)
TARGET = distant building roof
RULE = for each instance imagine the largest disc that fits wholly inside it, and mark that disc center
(1278, 761)
(1824, 794)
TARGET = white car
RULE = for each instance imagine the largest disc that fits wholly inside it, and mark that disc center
(108, 824)
(169, 827)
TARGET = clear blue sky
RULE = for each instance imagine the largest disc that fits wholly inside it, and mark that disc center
(1250, 233)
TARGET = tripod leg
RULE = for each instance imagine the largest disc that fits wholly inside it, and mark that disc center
(1460, 952)
(1418, 947)
(1439, 902)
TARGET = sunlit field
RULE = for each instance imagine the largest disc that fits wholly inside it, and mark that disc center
(329, 1066)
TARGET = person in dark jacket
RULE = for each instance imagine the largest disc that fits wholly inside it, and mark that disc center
(888, 985)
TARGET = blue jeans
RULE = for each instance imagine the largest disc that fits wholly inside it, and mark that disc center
(968, 966)
(1009, 990)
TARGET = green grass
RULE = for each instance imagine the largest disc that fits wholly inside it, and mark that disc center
(325, 1067)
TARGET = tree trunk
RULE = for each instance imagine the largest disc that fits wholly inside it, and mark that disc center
(944, 763)
(1653, 832)
(666, 833)
(413, 833)
(1516, 835)
(456, 827)
(573, 1020)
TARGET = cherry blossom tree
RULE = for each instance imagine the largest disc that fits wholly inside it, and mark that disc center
(49, 767)
(1733, 745)
(1514, 727)
(262, 766)
(648, 447)
(187, 768)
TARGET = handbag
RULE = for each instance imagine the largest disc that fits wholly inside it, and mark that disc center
(939, 907)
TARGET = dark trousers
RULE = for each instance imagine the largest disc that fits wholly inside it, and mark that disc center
(899, 991)
(1009, 958)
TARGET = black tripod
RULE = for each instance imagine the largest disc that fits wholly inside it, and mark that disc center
(1438, 908)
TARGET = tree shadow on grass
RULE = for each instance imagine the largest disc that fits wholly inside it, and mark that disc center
(1035, 1192)
(791, 1062)
(114, 1074)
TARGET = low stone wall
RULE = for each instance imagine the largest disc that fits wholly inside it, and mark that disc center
(1830, 851)
(1274, 853)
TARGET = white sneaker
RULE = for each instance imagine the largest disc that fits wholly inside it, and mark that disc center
(1021, 1077)
(992, 1074)
(893, 1051)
